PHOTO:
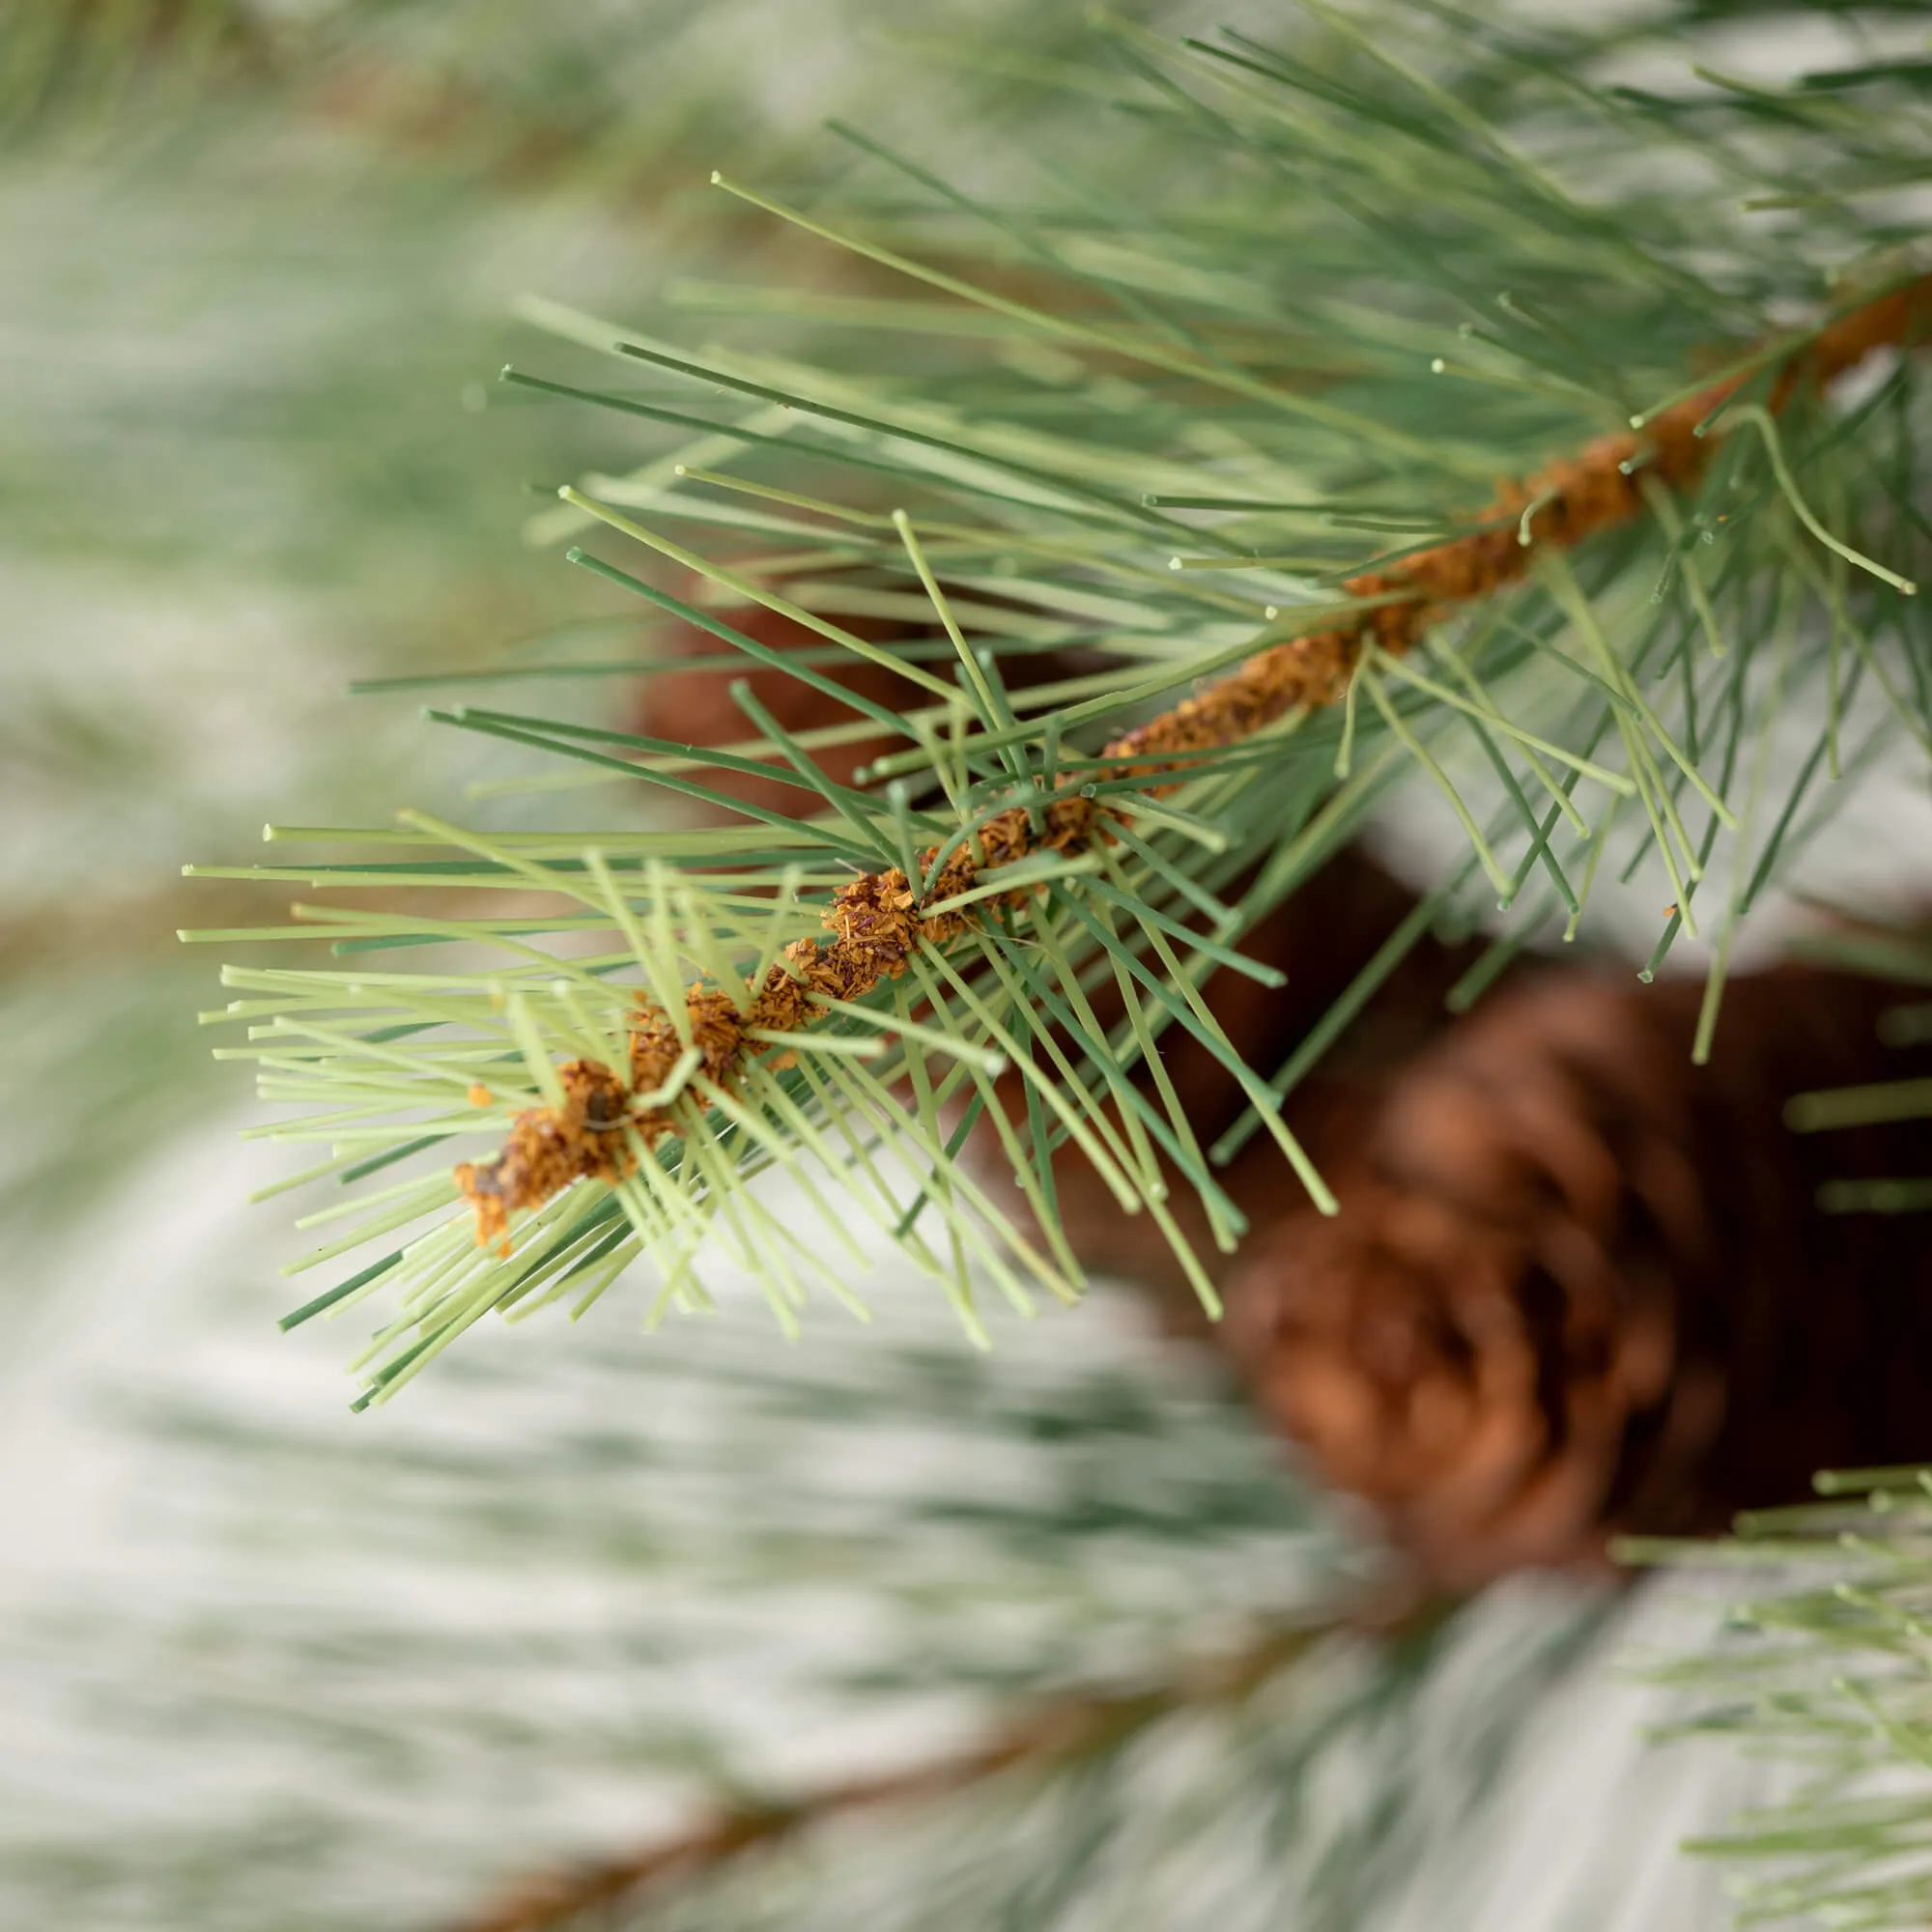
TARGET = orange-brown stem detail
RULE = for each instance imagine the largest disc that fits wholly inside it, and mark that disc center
(876, 924)
(877, 921)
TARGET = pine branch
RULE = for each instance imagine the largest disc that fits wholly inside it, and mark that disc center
(1025, 914)
(1057, 1735)
(882, 918)
(1820, 1668)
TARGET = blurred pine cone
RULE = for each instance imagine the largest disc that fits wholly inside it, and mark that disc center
(1579, 1287)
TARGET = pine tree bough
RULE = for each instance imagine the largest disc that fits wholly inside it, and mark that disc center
(879, 919)
(1068, 1732)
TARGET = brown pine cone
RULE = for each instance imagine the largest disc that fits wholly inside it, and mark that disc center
(1580, 1288)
